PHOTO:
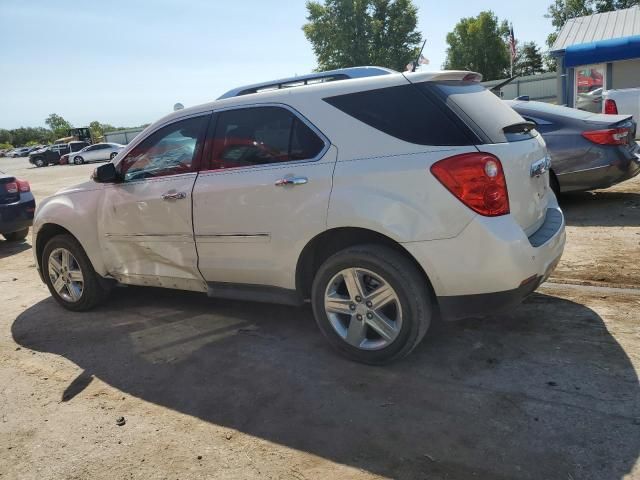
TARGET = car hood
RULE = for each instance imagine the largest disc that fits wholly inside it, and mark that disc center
(80, 187)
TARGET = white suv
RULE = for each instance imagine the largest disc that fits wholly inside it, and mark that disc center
(386, 201)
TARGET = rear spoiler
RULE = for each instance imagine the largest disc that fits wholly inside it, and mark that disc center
(443, 76)
(520, 127)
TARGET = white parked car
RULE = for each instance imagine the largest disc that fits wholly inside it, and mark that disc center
(624, 101)
(384, 201)
(98, 152)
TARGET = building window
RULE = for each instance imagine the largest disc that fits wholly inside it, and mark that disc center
(589, 81)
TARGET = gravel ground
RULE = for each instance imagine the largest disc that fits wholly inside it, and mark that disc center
(221, 389)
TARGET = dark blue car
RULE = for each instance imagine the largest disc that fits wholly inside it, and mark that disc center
(588, 150)
(17, 206)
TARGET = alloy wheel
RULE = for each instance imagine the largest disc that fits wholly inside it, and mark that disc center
(363, 308)
(66, 275)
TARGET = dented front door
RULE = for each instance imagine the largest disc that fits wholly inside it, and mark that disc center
(145, 222)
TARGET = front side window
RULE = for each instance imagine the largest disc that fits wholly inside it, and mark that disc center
(262, 135)
(169, 151)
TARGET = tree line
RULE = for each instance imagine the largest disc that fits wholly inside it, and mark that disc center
(58, 127)
(345, 33)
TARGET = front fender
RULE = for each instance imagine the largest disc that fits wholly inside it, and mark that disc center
(76, 212)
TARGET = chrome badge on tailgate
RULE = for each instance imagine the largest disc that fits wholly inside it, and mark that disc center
(540, 167)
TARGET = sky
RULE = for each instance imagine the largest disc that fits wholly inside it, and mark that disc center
(127, 63)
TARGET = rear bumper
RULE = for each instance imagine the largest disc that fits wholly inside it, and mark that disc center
(19, 215)
(622, 166)
(491, 265)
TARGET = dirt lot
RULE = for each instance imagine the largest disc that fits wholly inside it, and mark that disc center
(220, 389)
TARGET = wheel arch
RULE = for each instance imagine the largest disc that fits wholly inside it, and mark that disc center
(46, 233)
(331, 241)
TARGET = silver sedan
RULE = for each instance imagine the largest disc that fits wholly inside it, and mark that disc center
(96, 153)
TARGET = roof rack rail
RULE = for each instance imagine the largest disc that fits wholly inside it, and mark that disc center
(313, 78)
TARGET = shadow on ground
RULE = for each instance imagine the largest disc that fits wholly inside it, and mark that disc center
(8, 249)
(542, 393)
(601, 208)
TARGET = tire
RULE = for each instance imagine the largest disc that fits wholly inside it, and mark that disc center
(94, 289)
(16, 236)
(78, 160)
(113, 155)
(39, 162)
(554, 184)
(409, 311)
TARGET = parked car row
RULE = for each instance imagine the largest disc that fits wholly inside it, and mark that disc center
(19, 152)
(74, 152)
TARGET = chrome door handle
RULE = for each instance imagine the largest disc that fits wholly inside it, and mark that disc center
(291, 181)
(174, 196)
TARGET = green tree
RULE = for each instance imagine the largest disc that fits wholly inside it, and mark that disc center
(478, 44)
(23, 135)
(5, 136)
(58, 125)
(528, 60)
(347, 33)
(562, 10)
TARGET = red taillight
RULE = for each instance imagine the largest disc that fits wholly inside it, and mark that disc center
(23, 185)
(610, 136)
(11, 187)
(477, 180)
(610, 107)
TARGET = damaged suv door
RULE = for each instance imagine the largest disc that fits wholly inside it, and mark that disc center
(146, 220)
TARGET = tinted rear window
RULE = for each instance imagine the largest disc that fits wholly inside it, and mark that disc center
(407, 114)
(479, 108)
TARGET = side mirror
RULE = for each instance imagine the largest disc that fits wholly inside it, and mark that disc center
(106, 173)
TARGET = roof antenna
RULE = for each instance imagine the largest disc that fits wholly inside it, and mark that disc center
(415, 64)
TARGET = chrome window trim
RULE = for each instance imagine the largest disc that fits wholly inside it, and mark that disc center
(295, 113)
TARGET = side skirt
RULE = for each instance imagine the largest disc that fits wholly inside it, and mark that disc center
(254, 293)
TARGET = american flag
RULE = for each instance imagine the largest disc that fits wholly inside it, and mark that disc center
(512, 43)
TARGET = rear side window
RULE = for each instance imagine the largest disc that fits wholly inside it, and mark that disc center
(247, 137)
(404, 113)
(480, 109)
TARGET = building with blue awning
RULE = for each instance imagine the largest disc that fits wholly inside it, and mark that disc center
(595, 53)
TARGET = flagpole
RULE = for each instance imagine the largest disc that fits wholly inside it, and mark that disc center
(513, 41)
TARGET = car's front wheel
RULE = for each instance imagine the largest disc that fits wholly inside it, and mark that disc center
(16, 236)
(113, 155)
(78, 160)
(71, 279)
(371, 303)
(39, 162)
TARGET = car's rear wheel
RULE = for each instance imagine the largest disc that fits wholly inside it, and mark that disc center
(78, 160)
(371, 303)
(68, 273)
(16, 236)
(113, 155)
(39, 162)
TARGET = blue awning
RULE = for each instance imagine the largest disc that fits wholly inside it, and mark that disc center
(602, 51)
